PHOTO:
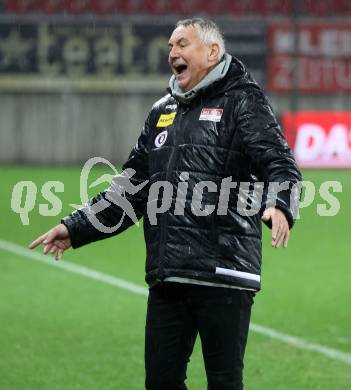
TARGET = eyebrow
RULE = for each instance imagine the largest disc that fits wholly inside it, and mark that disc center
(180, 40)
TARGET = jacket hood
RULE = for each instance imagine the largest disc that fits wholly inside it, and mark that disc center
(237, 77)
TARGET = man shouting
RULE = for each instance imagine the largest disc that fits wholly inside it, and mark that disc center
(203, 251)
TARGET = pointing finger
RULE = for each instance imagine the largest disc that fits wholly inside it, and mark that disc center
(37, 242)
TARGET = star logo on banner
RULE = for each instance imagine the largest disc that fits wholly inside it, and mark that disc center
(13, 50)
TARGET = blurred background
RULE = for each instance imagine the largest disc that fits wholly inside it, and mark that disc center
(77, 79)
(81, 75)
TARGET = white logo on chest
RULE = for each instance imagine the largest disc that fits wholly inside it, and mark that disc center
(211, 114)
(161, 139)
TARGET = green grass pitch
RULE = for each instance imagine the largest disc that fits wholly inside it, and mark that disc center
(60, 330)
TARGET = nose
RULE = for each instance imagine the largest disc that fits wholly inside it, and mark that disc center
(173, 53)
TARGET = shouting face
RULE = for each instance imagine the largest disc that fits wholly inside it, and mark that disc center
(189, 58)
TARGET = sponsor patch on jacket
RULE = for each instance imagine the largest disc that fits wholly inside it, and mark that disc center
(211, 114)
(161, 139)
(166, 119)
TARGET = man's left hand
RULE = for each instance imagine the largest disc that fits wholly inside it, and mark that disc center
(280, 226)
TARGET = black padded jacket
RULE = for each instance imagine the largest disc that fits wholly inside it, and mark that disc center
(227, 131)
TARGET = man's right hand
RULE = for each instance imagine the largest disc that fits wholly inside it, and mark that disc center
(55, 241)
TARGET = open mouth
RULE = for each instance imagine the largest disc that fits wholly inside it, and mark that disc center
(180, 68)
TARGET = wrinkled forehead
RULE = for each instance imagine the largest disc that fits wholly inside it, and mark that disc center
(188, 33)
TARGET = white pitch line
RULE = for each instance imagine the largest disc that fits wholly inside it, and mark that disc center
(301, 343)
(112, 280)
(71, 267)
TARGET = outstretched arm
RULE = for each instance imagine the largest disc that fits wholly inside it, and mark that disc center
(107, 209)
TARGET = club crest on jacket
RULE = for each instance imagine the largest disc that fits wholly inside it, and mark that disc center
(161, 139)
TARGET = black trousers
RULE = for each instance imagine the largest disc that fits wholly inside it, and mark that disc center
(176, 313)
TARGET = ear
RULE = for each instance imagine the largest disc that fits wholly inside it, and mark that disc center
(213, 51)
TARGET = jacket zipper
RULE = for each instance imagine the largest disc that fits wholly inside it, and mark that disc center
(164, 216)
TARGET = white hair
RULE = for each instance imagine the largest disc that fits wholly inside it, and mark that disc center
(208, 32)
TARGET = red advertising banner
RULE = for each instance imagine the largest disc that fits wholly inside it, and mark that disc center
(319, 139)
(320, 55)
(183, 7)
